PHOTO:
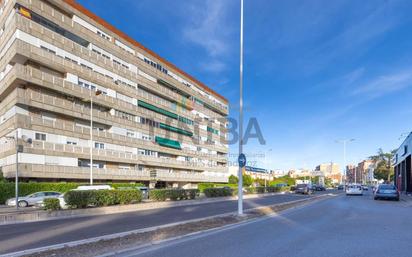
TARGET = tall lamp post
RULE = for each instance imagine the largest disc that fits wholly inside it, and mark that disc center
(19, 149)
(344, 142)
(240, 173)
(266, 164)
(96, 93)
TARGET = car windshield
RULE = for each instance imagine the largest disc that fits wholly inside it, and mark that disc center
(387, 187)
(301, 186)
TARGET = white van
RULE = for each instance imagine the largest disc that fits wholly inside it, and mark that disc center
(83, 188)
(354, 189)
(96, 187)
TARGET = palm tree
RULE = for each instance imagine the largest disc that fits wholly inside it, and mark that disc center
(383, 162)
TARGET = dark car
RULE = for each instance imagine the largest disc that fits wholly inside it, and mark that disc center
(341, 187)
(319, 188)
(386, 191)
(303, 189)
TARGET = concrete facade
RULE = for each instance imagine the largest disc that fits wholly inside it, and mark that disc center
(152, 122)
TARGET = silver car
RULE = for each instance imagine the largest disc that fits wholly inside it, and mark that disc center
(32, 199)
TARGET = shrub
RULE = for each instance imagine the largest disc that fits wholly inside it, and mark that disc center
(128, 196)
(192, 193)
(249, 190)
(218, 191)
(260, 190)
(7, 188)
(233, 179)
(97, 198)
(51, 204)
(174, 194)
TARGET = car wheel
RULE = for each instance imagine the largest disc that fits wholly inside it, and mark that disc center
(23, 204)
(375, 198)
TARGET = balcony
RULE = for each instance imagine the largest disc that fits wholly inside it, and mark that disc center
(46, 148)
(83, 173)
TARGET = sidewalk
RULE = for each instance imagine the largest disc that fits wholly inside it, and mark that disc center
(407, 199)
(12, 216)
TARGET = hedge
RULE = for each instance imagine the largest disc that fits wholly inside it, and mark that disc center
(51, 204)
(97, 198)
(227, 191)
(7, 189)
(203, 186)
(218, 191)
(174, 194)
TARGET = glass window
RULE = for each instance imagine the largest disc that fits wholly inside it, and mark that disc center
(40, 136)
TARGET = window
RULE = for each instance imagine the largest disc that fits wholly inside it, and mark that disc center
(124, 115)
(99, 145)
(405, 150)
(48, 50)
(146, 137)
(52, 26)
(130, 133)
(149, 122)
(40, 136)
(71, 143)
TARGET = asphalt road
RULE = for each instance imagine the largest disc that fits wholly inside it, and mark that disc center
(24, 236)
(342, 226)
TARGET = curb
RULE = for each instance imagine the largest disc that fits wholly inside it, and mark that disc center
(42, 215)
(122, 234)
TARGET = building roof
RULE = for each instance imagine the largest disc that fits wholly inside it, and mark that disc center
(88, 13)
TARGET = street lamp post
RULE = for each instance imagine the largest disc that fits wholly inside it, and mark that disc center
(344, 142)
(240, 173)
(267, 173)
(98, 92)
(19, 148)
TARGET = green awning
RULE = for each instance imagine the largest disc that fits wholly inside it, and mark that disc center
(168, 143)
(157, 109)
(177, 130)
(214, 131)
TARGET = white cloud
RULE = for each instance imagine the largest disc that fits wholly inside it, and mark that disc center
(208, 27)
(385, 84)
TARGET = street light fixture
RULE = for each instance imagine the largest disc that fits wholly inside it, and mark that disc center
(19, 149)
(344, 142)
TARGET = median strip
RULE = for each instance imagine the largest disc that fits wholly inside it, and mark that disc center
(154, 235)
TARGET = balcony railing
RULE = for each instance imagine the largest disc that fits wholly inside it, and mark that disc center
(67, 172)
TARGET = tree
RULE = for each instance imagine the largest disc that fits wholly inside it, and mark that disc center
(233, 179)
(383, 161)
(247, 180)
(2, 179)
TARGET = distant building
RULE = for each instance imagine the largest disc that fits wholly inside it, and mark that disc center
(329, 170)
(403, 171)
(362, 173)
(254, 172)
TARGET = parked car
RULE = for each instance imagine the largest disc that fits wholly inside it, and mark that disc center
(365, 187)
(386, 191)
(354, 189)
(318, 188)
(304, 189)
(32, 199)
(341, 187)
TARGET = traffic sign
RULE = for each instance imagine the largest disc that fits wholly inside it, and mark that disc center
(242, 160)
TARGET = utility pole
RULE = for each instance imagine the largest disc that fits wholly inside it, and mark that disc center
(240, 173)
(98, 92)
(344, 142)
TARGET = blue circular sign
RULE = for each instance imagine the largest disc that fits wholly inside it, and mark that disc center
(242, 160)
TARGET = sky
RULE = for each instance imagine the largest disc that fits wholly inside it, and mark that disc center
(315, 71)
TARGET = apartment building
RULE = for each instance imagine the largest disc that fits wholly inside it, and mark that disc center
(403, 165)
(87, 101)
